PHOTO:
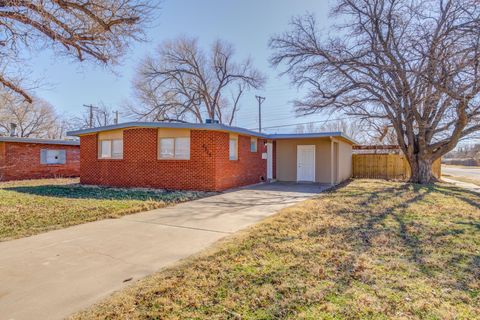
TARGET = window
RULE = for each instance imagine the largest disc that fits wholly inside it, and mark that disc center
(175, 148)
(111, 149)
(167, 148)
(53, 156)
(182, 148)
(117, 148)
(106, 149)
(253, 144)
(233, 148)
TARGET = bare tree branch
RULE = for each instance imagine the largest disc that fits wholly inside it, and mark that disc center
(183, 82)
(415, 64)
(99, 30)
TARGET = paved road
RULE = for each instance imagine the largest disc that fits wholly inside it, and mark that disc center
(52, 275)
(473, 172)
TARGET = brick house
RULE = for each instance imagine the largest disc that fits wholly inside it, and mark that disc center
(213, 157)
(25, 158)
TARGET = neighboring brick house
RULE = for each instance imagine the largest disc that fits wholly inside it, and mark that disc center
(25, 158)
(210, 157)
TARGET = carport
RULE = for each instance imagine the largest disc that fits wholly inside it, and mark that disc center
(319, 157)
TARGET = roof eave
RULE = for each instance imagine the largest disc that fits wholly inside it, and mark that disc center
(213, 126)
(198, 126)
(39, 141)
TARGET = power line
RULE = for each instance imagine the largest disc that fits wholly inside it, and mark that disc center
(285, 117)
(255, 119)
(296, 124)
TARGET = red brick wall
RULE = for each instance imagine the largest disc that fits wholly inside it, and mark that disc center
(250, 168)
(22, 161)
(141, 168)
(208, 168)
(2, 160)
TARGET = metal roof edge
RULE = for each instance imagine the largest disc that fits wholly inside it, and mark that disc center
(312, 135)
(40, 141)
(210, 126)
(204, 126)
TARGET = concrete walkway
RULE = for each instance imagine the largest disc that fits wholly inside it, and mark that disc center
(52, 275)
(464, 185)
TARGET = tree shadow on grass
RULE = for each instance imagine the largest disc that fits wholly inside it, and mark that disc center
(470, 197)
(76, 191)
(413, 243)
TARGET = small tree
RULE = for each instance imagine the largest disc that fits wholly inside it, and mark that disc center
(413, 64)
(181, 81)
(96, 29)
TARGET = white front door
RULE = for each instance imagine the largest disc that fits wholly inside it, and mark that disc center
(306, 163)
(269, 160)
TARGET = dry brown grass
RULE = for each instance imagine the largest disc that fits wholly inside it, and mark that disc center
(34, 206)
(369, 250)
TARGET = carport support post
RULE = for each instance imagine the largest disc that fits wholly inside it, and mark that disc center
(332, 159)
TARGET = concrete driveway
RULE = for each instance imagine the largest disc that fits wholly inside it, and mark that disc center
(52, 275)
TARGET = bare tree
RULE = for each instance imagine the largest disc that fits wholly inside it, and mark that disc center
(59, 129)
(104, 115)
(96, 29)
(182, 82)
(382, 133)
(414, 64)
(307, 128)
(353, 129)
(37, 119)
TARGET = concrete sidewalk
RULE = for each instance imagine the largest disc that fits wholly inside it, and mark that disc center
(52, 275)
(461, 184)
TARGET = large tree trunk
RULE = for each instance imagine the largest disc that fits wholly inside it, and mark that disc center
(421, 168)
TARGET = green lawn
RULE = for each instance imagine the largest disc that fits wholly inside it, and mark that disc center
(31, 207)
(369, 250)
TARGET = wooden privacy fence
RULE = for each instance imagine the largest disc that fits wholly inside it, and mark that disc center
(385, 166)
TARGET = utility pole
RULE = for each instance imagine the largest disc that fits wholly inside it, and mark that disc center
(260, 101)
(90, 117)
(115, 121)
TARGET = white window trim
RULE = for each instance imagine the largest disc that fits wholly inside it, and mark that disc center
(174, 153)
(111, 154)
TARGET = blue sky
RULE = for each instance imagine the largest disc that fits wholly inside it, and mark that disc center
(247, 24)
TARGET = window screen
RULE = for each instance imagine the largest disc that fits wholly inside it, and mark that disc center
(111, 149)
(117, 148)
(175, 148)
(233, 149)
(167, 148)
(182, 148)
(253, 144)
(106, 149)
